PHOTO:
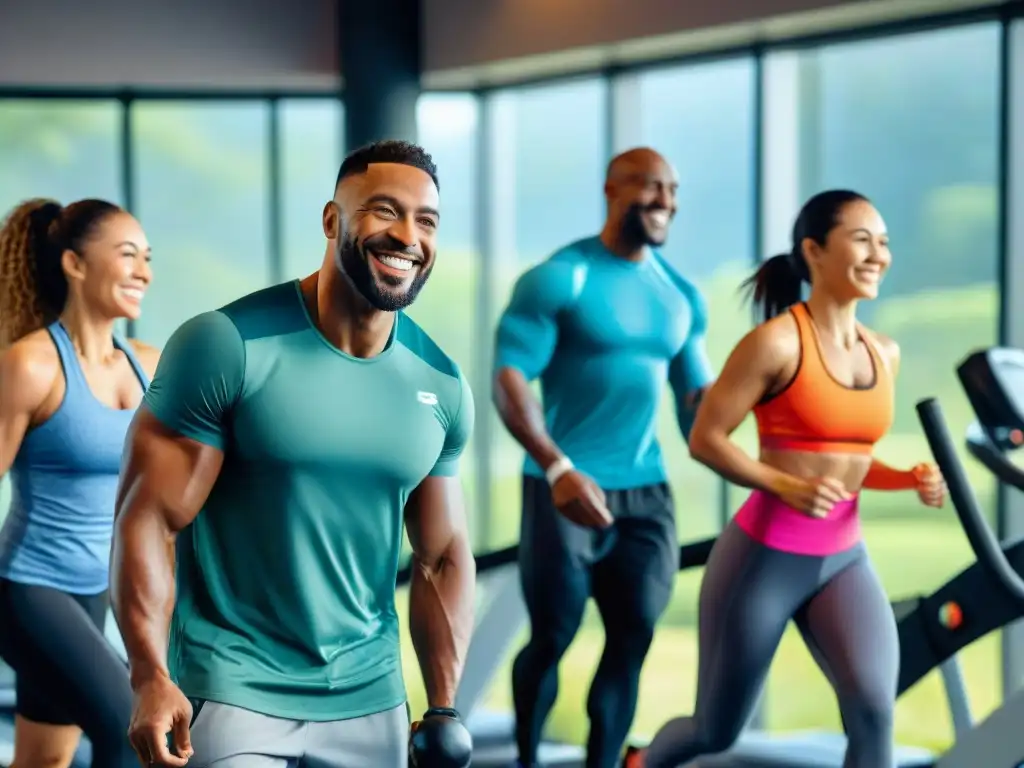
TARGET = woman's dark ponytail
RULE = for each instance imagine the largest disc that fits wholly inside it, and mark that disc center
(778, 282)
(45, 251)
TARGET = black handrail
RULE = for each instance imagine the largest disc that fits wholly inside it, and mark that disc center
(983, 541)
(692, 555)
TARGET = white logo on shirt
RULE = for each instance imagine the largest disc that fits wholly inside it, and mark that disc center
(427, 398)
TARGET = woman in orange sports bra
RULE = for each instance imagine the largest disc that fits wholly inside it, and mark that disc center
(821, 389)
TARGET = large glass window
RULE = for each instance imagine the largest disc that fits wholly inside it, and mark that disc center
(201, 192)
(911, 122)
(312, 147)
(62, 150)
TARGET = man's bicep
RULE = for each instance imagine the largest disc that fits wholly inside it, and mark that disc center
(165, 473)
(435, 514)
(527, 333)
(690, 370)
(199, 379)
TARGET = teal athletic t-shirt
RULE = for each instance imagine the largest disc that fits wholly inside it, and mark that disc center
(286, 578)
(604, 335)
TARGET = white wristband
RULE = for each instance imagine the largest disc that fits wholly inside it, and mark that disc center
(561, 467)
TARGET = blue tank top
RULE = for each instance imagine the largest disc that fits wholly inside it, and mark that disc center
(63, 485)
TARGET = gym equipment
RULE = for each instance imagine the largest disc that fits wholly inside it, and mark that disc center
(993, 380)
(440, 740)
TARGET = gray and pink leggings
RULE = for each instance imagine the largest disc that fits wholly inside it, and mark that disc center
(749, 594)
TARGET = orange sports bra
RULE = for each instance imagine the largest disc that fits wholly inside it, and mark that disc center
(816, 413)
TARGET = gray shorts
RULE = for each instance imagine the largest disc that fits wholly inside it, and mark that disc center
(224, 736)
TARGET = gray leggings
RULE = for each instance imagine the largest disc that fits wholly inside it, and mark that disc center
(748, 595)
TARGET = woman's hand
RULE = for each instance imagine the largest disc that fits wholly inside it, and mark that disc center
(815, 496)
(929, 484)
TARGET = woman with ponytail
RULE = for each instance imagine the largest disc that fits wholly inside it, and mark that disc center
(820, 386)
(68, 389)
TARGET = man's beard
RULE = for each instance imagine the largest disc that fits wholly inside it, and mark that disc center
(634, 231)
(381, 290)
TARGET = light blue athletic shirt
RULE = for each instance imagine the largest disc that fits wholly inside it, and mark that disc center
(63, 484)
(603, 335)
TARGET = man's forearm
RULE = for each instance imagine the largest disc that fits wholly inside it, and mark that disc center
(142, 591)
(441, 605)
(687, 403)
(524, 417)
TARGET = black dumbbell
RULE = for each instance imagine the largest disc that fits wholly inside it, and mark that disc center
(440, 740)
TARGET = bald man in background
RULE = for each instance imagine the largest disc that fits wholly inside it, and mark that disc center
(603, 323)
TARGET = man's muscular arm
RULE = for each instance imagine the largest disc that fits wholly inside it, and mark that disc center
(524, 344)
(173, 456)
(442, 592)
(526, 340)
(689, 372)
(523, 416)
(441, 595)
(164, 483)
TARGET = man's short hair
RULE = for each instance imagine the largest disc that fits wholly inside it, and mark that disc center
(388, 151)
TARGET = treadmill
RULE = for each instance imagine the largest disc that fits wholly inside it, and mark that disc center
(993, 596)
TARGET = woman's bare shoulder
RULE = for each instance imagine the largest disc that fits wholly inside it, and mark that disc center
(149, 356)
(28, 370)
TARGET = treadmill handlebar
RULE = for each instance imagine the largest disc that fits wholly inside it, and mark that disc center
(983, 541)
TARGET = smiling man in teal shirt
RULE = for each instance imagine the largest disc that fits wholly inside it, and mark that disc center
(283, 444)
